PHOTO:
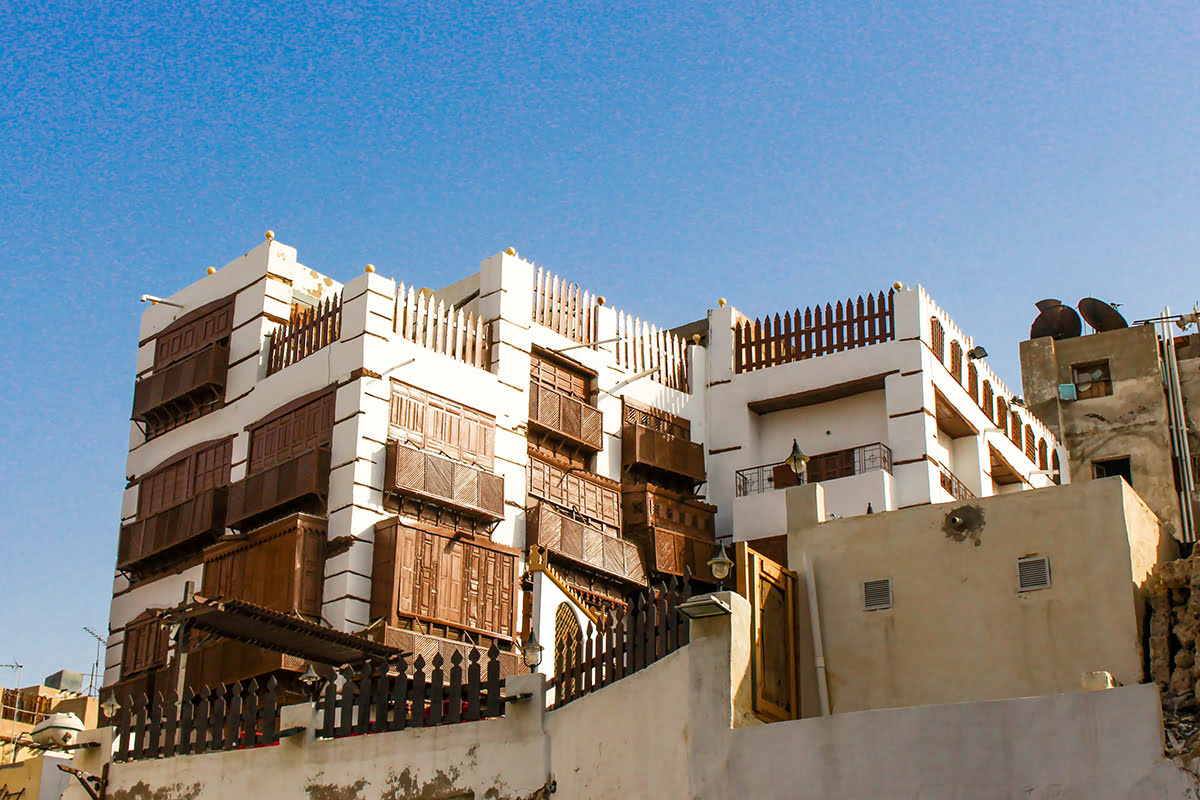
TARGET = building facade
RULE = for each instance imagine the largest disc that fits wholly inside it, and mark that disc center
(1124, 402)
(440, 470)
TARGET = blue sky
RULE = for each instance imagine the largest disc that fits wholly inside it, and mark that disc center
(662, 155)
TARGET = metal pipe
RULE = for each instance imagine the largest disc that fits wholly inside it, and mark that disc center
(1178, 428)
(814, 615)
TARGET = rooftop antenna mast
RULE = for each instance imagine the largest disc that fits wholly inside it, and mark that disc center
(93, 689)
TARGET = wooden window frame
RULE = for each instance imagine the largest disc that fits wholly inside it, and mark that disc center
(185, 471)
(1100, 387)
(313, 413)
(937, 339)
(429, 421)
(561, 375)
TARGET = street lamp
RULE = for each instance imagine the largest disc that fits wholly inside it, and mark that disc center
(720, 565)
(531, 651)
(797, 462)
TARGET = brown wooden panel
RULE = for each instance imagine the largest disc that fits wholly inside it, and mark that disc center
(427, 476)
(145, 644)
(282, 437)
(298, 483)
(279, 566)
(193, 332)
(771, 590)
(583, 493)
(178, 389)
(468, 585)
(431, 421)
(583, 544)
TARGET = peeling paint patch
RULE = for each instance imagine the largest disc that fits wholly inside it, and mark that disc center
(964, 522)
(332, 791)
(143, 791)
(404, 786)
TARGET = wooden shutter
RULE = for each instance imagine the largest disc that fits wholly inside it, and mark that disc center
(145, 644)
(193, 332)
(937, 339)
(431, 421)
(291, 431)
(184, 476)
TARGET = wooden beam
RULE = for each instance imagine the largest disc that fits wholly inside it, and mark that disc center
(825, 394)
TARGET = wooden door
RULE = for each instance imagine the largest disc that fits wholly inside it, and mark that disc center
(772, 591)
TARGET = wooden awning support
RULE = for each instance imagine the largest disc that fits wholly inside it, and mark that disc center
(282, 633)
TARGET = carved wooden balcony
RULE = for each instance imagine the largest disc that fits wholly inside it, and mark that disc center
(173, 532)
(565, 416)
(443, 584)
(679, 531)
(582, 544)
(646, 447)
(182, 389)
(302, 481)
(427, 476)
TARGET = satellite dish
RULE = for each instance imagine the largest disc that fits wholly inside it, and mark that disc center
(1100, 315)
(1056, 321)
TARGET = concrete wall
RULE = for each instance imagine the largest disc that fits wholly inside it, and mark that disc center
(1132, 421)
(37, 778)
(1084, 746)
(680, 730)
(959, 628)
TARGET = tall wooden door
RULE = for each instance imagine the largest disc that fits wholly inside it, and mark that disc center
(772, 591)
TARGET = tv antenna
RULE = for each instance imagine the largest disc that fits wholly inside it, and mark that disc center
(93, 689)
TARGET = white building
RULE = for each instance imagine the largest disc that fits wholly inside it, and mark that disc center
(370, 456)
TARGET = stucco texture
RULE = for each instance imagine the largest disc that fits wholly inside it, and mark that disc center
(959, 628)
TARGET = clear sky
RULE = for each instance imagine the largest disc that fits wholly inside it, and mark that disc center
(661, 154)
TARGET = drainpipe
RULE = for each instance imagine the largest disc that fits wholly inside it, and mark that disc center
(1179, 437)
(814, 614)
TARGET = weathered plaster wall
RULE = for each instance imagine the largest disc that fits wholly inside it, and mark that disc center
(1082, 746)
(500, 759)
(959, 629)
(1132, 421)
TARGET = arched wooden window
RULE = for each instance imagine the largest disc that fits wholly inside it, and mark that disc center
(937, 339)
(956, 360)
(973, 382)
(1042, 462)
(1056, 467)
(1030, 444)
(1014, 430)
(568, 639)
(1001, 417)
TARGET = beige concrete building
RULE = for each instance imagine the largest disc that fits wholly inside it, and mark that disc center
(999, 597)
(1108, 398)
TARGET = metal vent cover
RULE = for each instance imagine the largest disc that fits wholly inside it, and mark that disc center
(1033, 572)
(877, 594)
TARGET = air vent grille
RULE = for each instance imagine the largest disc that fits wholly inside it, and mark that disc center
(1033, 572)
(877, 594)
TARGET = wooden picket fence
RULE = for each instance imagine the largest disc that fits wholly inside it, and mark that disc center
(651, 629)
(227, 718)
(795, 337)
(442, 328)
(308, 331)
(385, 698)
(564, 307)
(643, 346)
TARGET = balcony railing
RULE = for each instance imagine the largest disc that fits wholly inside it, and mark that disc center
(279, 487)
(823, 467)
(565, 416)
(950, 482)
(583, 544)
(190, 525)
(182, 390)
(646, 447)
(429, 476)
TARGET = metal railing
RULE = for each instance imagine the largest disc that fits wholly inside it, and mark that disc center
(950, 482)
(823, 467)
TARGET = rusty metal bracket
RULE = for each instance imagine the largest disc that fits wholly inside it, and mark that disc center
(96, 787)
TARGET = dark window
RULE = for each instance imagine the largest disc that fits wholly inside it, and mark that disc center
(1113, 466)
(1091, 380)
